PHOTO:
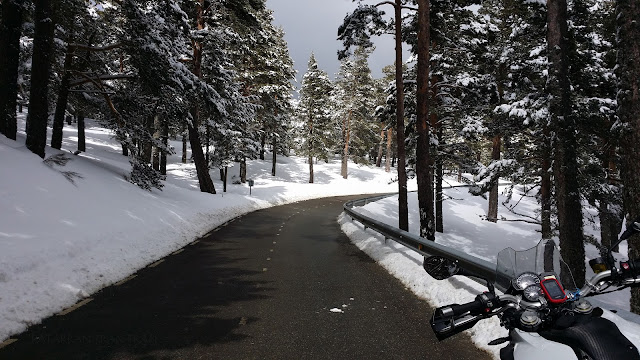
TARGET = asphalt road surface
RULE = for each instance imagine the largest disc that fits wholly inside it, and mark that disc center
(261, 287)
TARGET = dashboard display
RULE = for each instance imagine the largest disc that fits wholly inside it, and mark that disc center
(525, 280)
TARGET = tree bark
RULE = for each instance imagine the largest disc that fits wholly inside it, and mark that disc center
(424, 172)
(82, 140)
(243, 170)
(165, 142)
(224, 179)
(206, 184)
(545, 186)
(346, 135)
(567, 189)
(389, 155)
(311, 169)
(202, 168)
(41, 66)
(184, 147)
(439, 176)
(63, 98)
(403, 209)
(628, 71)
(492, 214)
(273, 161)
(380, 149)
(11, 28)
(263, 142)
(157, 135)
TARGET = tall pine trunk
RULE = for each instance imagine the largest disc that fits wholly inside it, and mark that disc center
(545, 186)
(10, 28)
(41, 66)
(202, 168)
(628, 71)
(157, 135)
(492, 214)
(274, 154)
(165, 142)
(63, 98)
(403, 208)
(346, 136)
(82, 139)
(380, 149)
(439, 177)
(424, 171)
(565, 163)
(389, 155)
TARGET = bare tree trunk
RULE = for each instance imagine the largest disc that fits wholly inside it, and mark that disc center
(567, 189)
(545, 186)
(263, 141)
(346, 135)
(165, 142)
(207, 141)
(439, 176)
(311, 169)
(628, 71)
(224, 180)
(63, 97)
(424, 172)
(41, 66)
(403, 209)
(273, 161)
(389, 155)
(157, 135)
(184, 146)
(202, 167)
(204, 179)
(492, 214)
(380, 147)
(10, 28)
(243, 170)
(82, 142)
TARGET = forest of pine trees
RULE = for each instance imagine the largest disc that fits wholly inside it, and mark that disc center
(542, 93)
(215, 73)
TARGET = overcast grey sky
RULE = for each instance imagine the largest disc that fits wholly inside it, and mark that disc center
(312, 25)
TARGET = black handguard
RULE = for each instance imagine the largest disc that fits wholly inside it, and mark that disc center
(452, 319)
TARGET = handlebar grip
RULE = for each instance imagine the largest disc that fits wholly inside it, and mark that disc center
(474, 308)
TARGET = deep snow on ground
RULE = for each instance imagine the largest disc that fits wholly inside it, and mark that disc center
(62, 241)
(466, 229)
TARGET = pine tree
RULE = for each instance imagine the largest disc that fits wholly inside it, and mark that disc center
(355, 94)
(313, 112)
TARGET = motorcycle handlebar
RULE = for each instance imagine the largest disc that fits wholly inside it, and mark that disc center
(475, 307)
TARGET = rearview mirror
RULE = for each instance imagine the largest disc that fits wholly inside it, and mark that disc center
(440, 268)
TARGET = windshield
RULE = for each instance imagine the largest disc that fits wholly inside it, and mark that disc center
(541, 258)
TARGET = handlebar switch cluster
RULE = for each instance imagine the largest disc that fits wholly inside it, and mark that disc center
(629, 268)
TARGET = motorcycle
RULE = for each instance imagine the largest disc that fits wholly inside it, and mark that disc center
(545, 319)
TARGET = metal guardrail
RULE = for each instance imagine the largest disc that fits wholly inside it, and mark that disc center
(480, 267)
(428, 248)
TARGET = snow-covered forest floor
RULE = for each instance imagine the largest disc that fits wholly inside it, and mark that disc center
(61, 240)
